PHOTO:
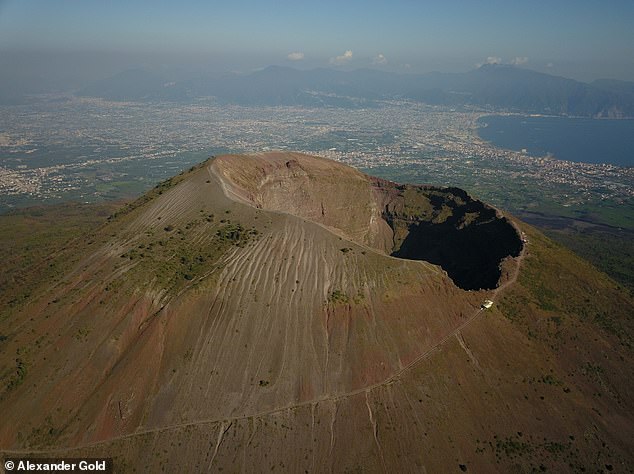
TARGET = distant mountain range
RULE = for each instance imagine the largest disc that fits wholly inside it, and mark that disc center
(491, 85)
(499, 86)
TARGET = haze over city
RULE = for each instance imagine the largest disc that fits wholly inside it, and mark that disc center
(71, 40)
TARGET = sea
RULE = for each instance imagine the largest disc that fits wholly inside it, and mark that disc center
(573, 139)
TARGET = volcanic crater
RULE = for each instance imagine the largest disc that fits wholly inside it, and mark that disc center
(285, 312)
(441, 225)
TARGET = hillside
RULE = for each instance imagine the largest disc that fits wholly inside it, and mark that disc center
(251, 314)
(501, 86)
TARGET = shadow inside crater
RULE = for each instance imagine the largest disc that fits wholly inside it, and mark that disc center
(471, 253)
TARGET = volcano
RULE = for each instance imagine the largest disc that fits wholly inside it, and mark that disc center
(280, 311)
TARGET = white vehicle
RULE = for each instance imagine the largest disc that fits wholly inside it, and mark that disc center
(487, 304)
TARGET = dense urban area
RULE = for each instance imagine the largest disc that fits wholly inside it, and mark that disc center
(67, 148)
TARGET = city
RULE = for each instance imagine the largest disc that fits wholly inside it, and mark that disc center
(58, 149)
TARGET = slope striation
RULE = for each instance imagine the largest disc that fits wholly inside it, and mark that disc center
(248, 315)
(192, 305)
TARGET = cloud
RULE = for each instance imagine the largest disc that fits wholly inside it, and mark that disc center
(295, 56)
(379, 59)
(516, 61)
(490, 60)
(344, 58)
(519, 60)
(549, 65)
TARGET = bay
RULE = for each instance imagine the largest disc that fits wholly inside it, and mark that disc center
(572, 139)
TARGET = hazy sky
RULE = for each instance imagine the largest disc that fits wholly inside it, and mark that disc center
(581, 39)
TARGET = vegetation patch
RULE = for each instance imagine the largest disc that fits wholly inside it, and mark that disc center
(358, 298)
(19, 374)
(610, 251)
(555, 283)
(38, 244)
(338, 297)
(82, 334)
(184, 253)
(235, 234)
(528, 453)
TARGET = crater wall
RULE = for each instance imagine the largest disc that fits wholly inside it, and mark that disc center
(446, 227)
(443, 226)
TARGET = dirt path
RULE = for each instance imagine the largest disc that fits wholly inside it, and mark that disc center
(331, 398)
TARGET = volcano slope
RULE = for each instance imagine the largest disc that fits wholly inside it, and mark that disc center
(280, 312)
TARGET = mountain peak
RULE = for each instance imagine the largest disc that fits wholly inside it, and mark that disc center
(285, 310)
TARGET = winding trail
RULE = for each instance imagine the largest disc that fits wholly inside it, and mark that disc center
(224, 423)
